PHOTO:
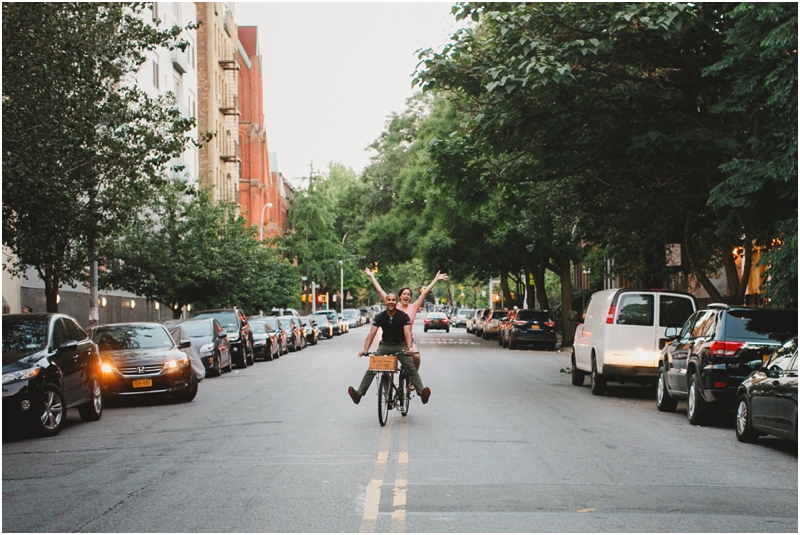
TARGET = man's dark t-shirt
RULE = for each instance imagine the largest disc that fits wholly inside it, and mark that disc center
(392, 326)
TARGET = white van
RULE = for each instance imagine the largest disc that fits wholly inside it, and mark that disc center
(621, 334)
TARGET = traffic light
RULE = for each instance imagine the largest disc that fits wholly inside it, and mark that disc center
(302, 298)
(321, 298)
(496, 298)
(374, 267)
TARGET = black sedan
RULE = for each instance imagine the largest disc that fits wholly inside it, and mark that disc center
(142, 358)
(283, 344)
(291, 332)
(49, 365)
(210, 341)
(312, 332)
(767, 399)
(437, 320)
(265, 339)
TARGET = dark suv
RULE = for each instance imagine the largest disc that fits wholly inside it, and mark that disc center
(234, 321)
(707, 361)
(528, 326)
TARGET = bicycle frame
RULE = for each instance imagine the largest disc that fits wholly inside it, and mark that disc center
(393, 393)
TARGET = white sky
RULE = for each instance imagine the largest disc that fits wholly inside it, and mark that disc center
(333, 73)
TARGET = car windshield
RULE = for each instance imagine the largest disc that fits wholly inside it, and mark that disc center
(285, 322)
(258, 326)
(228, 320)
(533, 315)
(306, 322)
(272, 322)
(197, 329)
(123, 337)
(321, 318)
(465, 312)
(24, 334)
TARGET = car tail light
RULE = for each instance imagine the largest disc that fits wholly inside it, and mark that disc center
(445, 320)
(550, 323)
(725, 349)
(611, 311)
(720, 384)
(427, 320)
(520, 322)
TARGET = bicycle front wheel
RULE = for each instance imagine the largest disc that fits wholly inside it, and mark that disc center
(402, 393)
(383, 399)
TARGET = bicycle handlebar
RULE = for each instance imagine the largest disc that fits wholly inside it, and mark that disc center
(406, 353)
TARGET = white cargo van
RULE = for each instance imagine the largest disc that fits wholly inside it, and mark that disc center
(621, 334)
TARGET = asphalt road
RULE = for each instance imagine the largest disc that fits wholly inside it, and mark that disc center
(506, 444)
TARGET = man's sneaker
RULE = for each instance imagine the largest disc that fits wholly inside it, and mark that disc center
(425, 395)
(355, 396)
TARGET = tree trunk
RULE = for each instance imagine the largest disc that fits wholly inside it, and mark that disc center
(738, 299)
(541, 292)
(696, 269)
(50, 291)
(504, 286)
(567, 328)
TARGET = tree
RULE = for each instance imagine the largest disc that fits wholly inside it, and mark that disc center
(84, 149)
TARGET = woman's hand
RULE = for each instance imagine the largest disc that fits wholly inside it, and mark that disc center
(369, 271)
(441, 276)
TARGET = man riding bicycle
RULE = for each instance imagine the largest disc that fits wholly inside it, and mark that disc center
(395, 340)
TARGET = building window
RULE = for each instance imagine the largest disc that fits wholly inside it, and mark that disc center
(155, 73)
(155, 11)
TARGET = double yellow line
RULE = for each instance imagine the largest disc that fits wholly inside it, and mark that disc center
(371, 509)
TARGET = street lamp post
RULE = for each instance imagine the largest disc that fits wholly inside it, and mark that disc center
(268, 205)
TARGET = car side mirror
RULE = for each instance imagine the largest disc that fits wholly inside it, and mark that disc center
(69, 345)
(184, 344)
(222, 335)
(671, 333)
(574, 317)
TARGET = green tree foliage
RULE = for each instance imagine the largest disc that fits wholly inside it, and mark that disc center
(83, 150)
(189, 250)
(607, 106)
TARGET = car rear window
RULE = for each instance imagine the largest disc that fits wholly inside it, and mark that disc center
(635, 309)
(533, 315)
(760, 324)
(674, 310)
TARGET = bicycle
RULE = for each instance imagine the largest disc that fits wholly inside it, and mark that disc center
(393, 384)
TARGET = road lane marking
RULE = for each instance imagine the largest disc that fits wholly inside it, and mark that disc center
(400, 490)
(370, 517)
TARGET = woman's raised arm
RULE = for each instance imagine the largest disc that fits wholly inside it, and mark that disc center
(439, 277)
(375, 283)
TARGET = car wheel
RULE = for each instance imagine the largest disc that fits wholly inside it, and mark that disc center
(598, 381)
(500, 340)
(743, 422)
(664, 402)
(187, 394)
(698, 408)
(426, 329)
(447, 330)
(551, 346)
(93, 409)
(577, 375)
(50, 413)
(512, 344)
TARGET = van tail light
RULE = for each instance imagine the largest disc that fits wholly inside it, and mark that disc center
(725, 349)
(550, 323)
(611, 311)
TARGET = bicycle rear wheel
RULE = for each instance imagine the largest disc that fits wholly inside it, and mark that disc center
(383, 399)
(403, 394)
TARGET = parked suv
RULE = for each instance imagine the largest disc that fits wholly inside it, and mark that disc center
(621, 333)
(528, 326)
(234, 321)
(461, 317)
(491, 323)
(710, 357)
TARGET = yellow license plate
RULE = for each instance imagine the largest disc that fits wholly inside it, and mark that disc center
(534, 327)
(142, 383)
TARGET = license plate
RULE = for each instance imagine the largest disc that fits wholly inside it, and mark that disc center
(142, 383)
(534, 327)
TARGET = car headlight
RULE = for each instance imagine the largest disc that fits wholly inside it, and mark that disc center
(208, 348)
(107, 367)
(172, 365)
(233, 336)
(21, 375)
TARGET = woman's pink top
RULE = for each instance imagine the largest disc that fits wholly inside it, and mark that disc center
(412, 312)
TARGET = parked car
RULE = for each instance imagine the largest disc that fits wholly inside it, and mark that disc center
(142, 358)
(472, 321)
(491, 323)
(766, 401)
(290, 332)
(437, 320)
(274, 326)
(324, 324)
(210, 341)
(265, 339)
(620, 336)
(353, 317)
(333, 318)
(366, 314)
(234, 321)
(300, 331)
(709, 358)
(528, 326)
(344, 326)
(49, 366)
(311, 330)
(462, 316)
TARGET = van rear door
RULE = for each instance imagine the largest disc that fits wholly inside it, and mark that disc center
(631, 340)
